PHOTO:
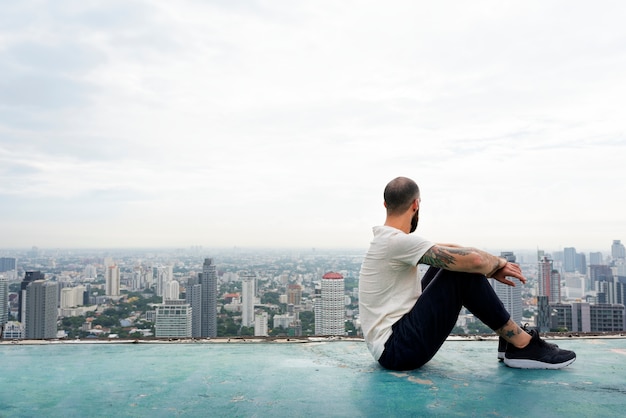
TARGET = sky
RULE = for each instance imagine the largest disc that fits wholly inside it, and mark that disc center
(279, 123)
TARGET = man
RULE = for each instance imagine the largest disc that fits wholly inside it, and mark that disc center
(406, 321)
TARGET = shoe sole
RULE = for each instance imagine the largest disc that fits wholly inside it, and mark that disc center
(500, 355)
(534, 364)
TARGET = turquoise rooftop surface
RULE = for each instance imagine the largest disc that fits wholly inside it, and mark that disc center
(302, 379)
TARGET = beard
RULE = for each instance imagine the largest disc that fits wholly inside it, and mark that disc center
(414, 220)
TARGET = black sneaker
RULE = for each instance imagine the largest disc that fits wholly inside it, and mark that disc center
(502, 343)
(538, 354)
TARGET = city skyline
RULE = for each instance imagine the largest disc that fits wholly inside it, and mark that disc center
(160, 125)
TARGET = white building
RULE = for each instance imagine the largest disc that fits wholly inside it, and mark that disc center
(331, 313)
(72, 297)
(172, 291)
(163, 275)
(248, 296)
(173, 319)
(13, 330)
(260, 324)
(284, 320)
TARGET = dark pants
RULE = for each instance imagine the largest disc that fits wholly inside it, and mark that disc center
(418, 335)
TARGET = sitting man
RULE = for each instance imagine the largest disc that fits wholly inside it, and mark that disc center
(406, 321)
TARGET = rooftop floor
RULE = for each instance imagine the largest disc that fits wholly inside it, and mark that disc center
(329, 378)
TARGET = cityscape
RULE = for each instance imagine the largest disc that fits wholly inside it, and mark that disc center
(198, 293)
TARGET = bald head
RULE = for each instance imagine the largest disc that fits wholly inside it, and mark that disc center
(400, 194)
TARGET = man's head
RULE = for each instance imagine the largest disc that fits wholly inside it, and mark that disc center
(402, 195)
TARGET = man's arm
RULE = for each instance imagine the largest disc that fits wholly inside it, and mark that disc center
(472, 260)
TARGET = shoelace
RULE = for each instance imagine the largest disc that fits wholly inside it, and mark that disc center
(543, 342)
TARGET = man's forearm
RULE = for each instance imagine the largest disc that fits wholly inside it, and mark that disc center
(465, 259)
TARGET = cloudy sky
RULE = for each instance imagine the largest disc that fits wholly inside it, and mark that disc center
(278, 123)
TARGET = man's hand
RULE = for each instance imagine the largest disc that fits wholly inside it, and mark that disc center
(509, 270)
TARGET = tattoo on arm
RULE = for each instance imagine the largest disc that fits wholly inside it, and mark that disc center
(442, 258)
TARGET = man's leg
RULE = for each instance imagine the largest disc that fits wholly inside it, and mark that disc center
(419, 334)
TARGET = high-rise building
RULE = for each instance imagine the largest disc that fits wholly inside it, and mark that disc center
(511, 296)
(569, 259)
(543, 314)
(112, 280)
(163, 275)
(172, 291)
(193, 296)
(247, 299)
(596, 259)
(599, 273)
(173, 319)
(333, 312)
(72, 296)
(618, 251)
(41, 309)
(549, 280)
(7, 264)
(4, 300)
(90, 271)
(260, 324)
(294, 294)
(29, 277)
(208, 281)
(581, 263)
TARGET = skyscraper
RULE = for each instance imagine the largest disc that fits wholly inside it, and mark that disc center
(581, 263)
(112, 280)
(595, 259)
(294, 294)
(208, 281)
(163, 275)
(549, 280)
(41, 309)
(510, 296)
(333, 311)
(193, 296)
(4, 301)
(7, 264)
(569, 259)
(247, 296)
(543, 314)
(618, 251)
(29, 277)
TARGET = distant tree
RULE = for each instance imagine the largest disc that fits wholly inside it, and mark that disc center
(478, 328)
(350, 328)
(246, 331)
(307, 319)
(278, 332)
(458, 330)
(271, 298)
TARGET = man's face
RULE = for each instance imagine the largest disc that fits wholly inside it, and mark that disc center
(414, 220)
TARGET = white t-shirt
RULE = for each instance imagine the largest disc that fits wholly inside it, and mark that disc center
(389, 284)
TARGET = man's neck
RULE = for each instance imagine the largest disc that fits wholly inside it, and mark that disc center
(398, 223)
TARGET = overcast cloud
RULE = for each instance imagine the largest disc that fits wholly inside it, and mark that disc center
(278, 123)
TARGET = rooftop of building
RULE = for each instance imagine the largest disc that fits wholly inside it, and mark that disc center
(302, 377)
